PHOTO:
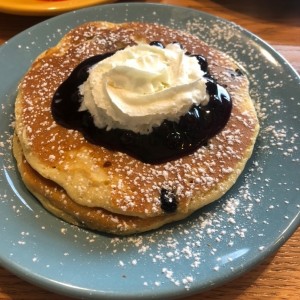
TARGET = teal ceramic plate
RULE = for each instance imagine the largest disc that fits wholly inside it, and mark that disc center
(216, 244)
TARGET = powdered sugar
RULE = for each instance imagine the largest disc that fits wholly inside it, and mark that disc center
(214, 241)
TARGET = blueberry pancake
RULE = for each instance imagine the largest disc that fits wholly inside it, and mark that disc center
(57, 201)
(135, 120)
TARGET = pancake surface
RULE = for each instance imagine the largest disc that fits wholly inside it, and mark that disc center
(57, 201)
(123, 188)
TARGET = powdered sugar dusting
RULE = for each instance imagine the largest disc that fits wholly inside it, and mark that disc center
(214, 241)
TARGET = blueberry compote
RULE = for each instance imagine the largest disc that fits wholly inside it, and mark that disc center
(171, 140)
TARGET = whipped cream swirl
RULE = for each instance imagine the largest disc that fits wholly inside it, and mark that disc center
(139, 87)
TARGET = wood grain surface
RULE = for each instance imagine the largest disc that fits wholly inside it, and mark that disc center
(278, 23)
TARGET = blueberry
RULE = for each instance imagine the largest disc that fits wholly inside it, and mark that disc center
(191, 120)
(87, 120)
(128, 138)
(168, 201)
(211, 88)
(207, 116)
(164, 129)
(175, 140)
(202, 62)
(157, 44)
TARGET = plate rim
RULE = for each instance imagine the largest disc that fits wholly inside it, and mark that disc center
(61, 287)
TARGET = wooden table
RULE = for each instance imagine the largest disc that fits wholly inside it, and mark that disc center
(278, 23)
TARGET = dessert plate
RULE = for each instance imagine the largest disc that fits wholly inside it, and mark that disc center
(214, 245)
(44, 7)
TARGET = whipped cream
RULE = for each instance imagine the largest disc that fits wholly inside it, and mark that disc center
(139, 87)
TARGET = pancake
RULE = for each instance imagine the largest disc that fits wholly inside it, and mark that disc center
(57, 201)
(113, 182)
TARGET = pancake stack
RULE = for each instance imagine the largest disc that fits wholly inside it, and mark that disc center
(97, 188)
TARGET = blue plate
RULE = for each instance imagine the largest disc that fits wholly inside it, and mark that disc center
(217, 243)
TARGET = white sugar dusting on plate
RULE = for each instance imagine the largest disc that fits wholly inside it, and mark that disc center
(203, 237)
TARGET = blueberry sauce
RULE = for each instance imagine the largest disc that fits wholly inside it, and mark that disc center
(171, 140)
